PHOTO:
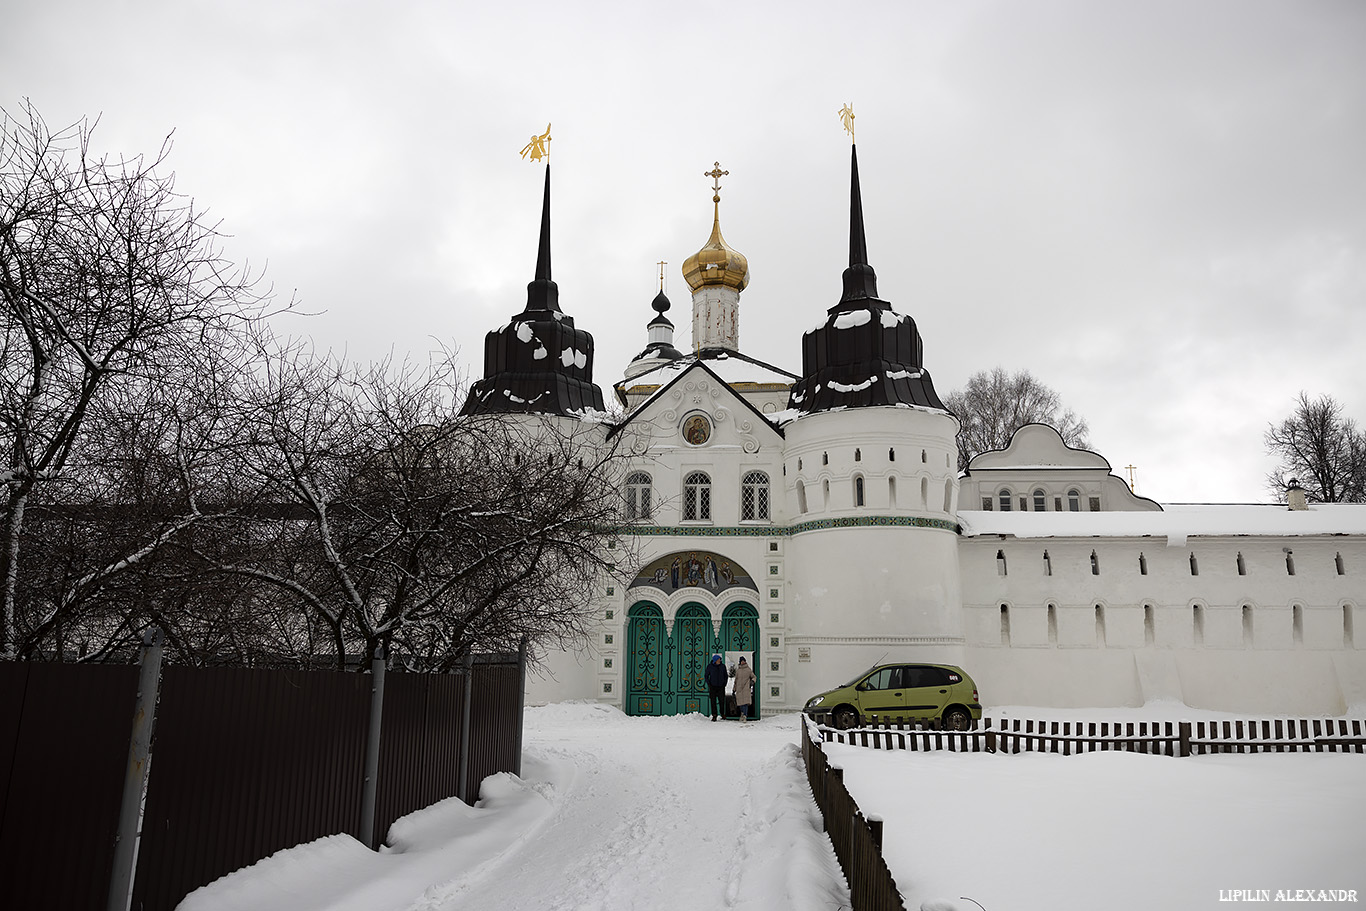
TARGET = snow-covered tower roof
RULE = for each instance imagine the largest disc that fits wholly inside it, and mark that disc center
(865, 353)
(538, 363)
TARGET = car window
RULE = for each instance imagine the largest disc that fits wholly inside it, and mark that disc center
(880, 680)
(933, 676)
(912, 676)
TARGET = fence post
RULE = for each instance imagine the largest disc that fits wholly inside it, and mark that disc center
(135, 773)
(370, 792)
(468, 667)
(875, 829)
(1184, 729)
(521, 704)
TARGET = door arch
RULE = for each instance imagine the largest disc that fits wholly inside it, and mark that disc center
(740, 633)
(668, 647)
(645, 645)
(690, 648)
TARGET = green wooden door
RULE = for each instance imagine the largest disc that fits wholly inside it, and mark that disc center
(645, 676)
(740, 633)
(690, 648)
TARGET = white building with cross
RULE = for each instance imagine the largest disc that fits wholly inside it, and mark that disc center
(817, 522)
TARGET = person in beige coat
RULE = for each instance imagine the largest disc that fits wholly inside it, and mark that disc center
(744, 689)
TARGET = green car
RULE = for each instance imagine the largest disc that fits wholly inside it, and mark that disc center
(911, 691)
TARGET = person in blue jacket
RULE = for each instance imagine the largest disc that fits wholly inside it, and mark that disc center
(716, 677)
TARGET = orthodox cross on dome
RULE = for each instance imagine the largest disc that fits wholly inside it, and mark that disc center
(847, 120)
(1131, 469)
(716, 174)
(661, 265)
(538, 147)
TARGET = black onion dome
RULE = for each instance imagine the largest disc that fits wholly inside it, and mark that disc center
(538, 363)
(865, 353)
(661, 343)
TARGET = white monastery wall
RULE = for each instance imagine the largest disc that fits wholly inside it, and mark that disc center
(1108, 633)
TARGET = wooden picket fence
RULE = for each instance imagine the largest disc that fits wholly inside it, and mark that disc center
(856, 838)
(1165, 738)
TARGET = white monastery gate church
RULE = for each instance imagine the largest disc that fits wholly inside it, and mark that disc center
(817, 521)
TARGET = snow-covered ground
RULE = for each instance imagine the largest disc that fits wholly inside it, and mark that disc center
(611, 814)
(661, 813)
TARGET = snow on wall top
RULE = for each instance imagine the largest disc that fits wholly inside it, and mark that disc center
(1176, 522)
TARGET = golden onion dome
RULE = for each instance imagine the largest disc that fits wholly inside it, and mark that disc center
(716, 263)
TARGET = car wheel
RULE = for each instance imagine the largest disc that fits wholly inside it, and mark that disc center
(845, 718)
(956, 718)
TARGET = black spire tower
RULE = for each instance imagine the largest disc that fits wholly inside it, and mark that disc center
(865, 353)
(538, 363)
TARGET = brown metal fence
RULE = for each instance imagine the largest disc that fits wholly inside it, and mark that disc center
(857, 840)
(245, 762)
(63, 744)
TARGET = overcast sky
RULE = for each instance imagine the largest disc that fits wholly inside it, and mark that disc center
(1158, 208)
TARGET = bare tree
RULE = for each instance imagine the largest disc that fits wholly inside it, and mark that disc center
(1321, 449)
(994, 405)
(153, 461)
(418, 531)
(107, 277)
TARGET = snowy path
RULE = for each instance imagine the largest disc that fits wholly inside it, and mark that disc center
(683, 817)
(610, 812)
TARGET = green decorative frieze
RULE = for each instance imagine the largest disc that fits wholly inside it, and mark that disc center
(787, 531)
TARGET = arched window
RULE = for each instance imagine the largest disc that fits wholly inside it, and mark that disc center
(1003, 497)
(1040, 503)
(1095, 564)
(891, 492)
(858, 455)
(924, 493)
(858, 490)
(754, 497)
(637, 496)
(1074, 500)
(801, 498)
(948, 495)
(697, 497)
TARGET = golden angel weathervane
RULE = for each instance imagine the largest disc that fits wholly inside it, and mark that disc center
(538, 147)
(847, 119)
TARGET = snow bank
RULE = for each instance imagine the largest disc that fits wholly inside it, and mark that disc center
(784, 852)
(339, 873)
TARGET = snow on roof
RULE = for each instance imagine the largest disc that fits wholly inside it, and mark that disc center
(732, 368)
(1176, 522)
